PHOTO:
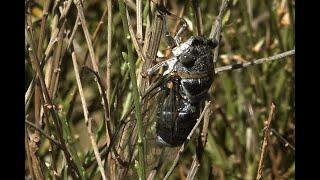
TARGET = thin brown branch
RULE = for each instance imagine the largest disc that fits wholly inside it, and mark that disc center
(176, 160)
(254, 62)
(109, 45)
(282, 139)
(43, 26)
(33, 149)
(27, 149)
(194, 168)
(48, 103)
(87, 35)
(134, 39)
(107, 11)
(198, 17)
(44, 134)
(216, 28)
(265, 141)
(86, 116)
(139, 19)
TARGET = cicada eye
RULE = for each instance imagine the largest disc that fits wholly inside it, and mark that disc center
(211, 43)
(197, 40)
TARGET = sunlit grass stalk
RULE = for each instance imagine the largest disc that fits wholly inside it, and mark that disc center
(135, 91)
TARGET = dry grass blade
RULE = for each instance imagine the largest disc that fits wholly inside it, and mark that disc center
(86, 116)
(44, 134)
(286, 142)
(265, 141)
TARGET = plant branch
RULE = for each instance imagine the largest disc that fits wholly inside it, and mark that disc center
(254, 62)
(286, 142)
(86, 115)
(44, 134)
(265, 141)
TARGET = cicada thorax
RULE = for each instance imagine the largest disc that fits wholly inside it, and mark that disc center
(176, 116)
(196, 69)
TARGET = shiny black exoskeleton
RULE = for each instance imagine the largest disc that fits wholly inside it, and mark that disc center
(191, 74)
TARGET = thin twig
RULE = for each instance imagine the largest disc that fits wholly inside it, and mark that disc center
(44, 134)
(98, 29)
(254, 62)
(217, 26)
(50, 106)
(43, 26)
(134, 39)
(109, 45)
(198, 17)
(33, 149)
(265, 141)
(26, 143)
(86, 115)
(53, 40)
(194, 168)
(175, 162)
(139, 19)
(87, 35)
(286, 142)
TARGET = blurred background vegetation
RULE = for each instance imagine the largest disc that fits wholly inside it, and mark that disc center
(241, 99)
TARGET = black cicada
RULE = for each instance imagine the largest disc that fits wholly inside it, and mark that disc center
(189, 74)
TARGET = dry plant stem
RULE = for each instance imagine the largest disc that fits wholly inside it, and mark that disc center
(33, 148)
(92, 56)
(198, 16)
(111, 162)
(286, 143)
(48, 131)
(53, 40)
(44, 134)
(216, 29)
(154, 172)
(109, 45)
(139, 19)
(194, 168)
(135, 92)
(175, 162)
(180, 15)
(43, 26)
(134, 39)
(217, 26)
(151, 46)
(254, 62)
(50, 106)
(106, 11)
(86, 116)
(265, 142)
(202, 140)
(37, 104)
(26, 143)
(57, 59)
(110, 140)
(87, 35)
(90, 47)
